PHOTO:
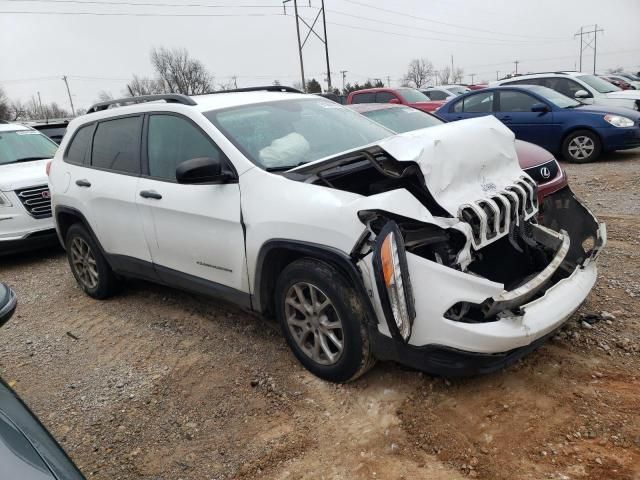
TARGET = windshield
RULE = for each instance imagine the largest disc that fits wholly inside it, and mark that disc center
(285, 134)
(555, 97)
(402, 119)
(458, 90)
(411, 95)
(598, 84)
(25, 145)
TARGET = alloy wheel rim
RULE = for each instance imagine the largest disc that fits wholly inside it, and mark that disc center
(314, 323)
(581, 147)
(84, 263)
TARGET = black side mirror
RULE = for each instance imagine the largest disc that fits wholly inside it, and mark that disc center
(202, 170)
(539, 107)
(8, 302)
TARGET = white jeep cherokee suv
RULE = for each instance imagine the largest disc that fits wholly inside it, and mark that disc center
(587, 88)
(423, 247)
(25, 204)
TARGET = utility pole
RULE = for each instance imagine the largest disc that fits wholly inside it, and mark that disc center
(73, 110)
(302, 43)
(344, 76)
(580, 46)
(497, 74)
(452, 65)
(40, 104)
(388, 81)
(516, 62)
(592, 42)
(472, 75)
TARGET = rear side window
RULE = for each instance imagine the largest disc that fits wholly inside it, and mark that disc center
(384, 97)
(171, 141)
(116, 145)
(364, 98)
(79, 146)
(478, 103)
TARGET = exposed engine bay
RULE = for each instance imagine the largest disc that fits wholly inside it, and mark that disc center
(480, 215)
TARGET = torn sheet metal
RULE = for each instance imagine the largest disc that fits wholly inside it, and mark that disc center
(461, 162)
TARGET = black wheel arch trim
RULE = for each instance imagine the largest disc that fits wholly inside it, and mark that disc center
(330, 255)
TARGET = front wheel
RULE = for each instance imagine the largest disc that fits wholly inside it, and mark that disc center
(581, 146)
(323, 321)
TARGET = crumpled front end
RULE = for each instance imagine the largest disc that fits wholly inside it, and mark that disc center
(461, 263)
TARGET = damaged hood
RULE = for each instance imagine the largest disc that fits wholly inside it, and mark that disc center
(461, 161)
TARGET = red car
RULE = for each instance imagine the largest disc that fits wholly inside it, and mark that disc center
(403, 96)
(539, 163)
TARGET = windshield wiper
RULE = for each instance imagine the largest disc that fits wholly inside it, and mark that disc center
(28, 159)
(283, 167)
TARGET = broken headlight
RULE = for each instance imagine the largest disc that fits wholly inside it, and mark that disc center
(392, 278)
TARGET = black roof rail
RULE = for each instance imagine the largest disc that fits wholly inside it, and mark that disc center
(267, 88)
(167, 97)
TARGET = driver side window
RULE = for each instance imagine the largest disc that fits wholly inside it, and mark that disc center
(171, 140)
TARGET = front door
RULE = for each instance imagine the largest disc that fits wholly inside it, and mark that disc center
(194, 231)
(514, 110)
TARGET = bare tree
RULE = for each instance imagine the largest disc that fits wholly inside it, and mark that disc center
(444, 75)
(4, 105)
(615, 70)
(144, 86)
(419, 73)
(179, 73)
(457, 75)
(104, 96)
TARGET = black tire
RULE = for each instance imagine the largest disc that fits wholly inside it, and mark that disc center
(573, 156)
(105, 279)
(356, 356)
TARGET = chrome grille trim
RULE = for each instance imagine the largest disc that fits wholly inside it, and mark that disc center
(491, 218)
(32, 199)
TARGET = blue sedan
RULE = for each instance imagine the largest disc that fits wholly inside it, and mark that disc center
(551, 120)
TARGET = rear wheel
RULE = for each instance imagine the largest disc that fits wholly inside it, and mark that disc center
(322, 320)
(581, 146)
(88, 265)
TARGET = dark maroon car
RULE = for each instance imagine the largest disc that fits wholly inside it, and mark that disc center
(539, 163)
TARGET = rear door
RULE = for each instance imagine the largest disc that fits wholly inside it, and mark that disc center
(514, 110)
(474, 105)
(111, 184)
(194, 231)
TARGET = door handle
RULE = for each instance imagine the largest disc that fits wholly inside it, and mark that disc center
(150, 194)
(83, 183)
(505, 118)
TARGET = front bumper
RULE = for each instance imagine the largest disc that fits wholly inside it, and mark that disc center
(20, 231)
(620, 138)
(515, 321)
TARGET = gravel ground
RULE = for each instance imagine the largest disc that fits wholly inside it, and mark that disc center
(161, 384)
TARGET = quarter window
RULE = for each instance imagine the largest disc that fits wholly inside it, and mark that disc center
(516, 102)
(116, 145)
(77, 151)
(171, 141)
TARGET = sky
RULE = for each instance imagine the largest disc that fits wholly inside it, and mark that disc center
(254, 40)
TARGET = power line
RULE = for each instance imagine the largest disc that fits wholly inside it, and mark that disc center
(127, 14)
(465, 27)
(145, 4)
(408, 35)
(404, 25)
